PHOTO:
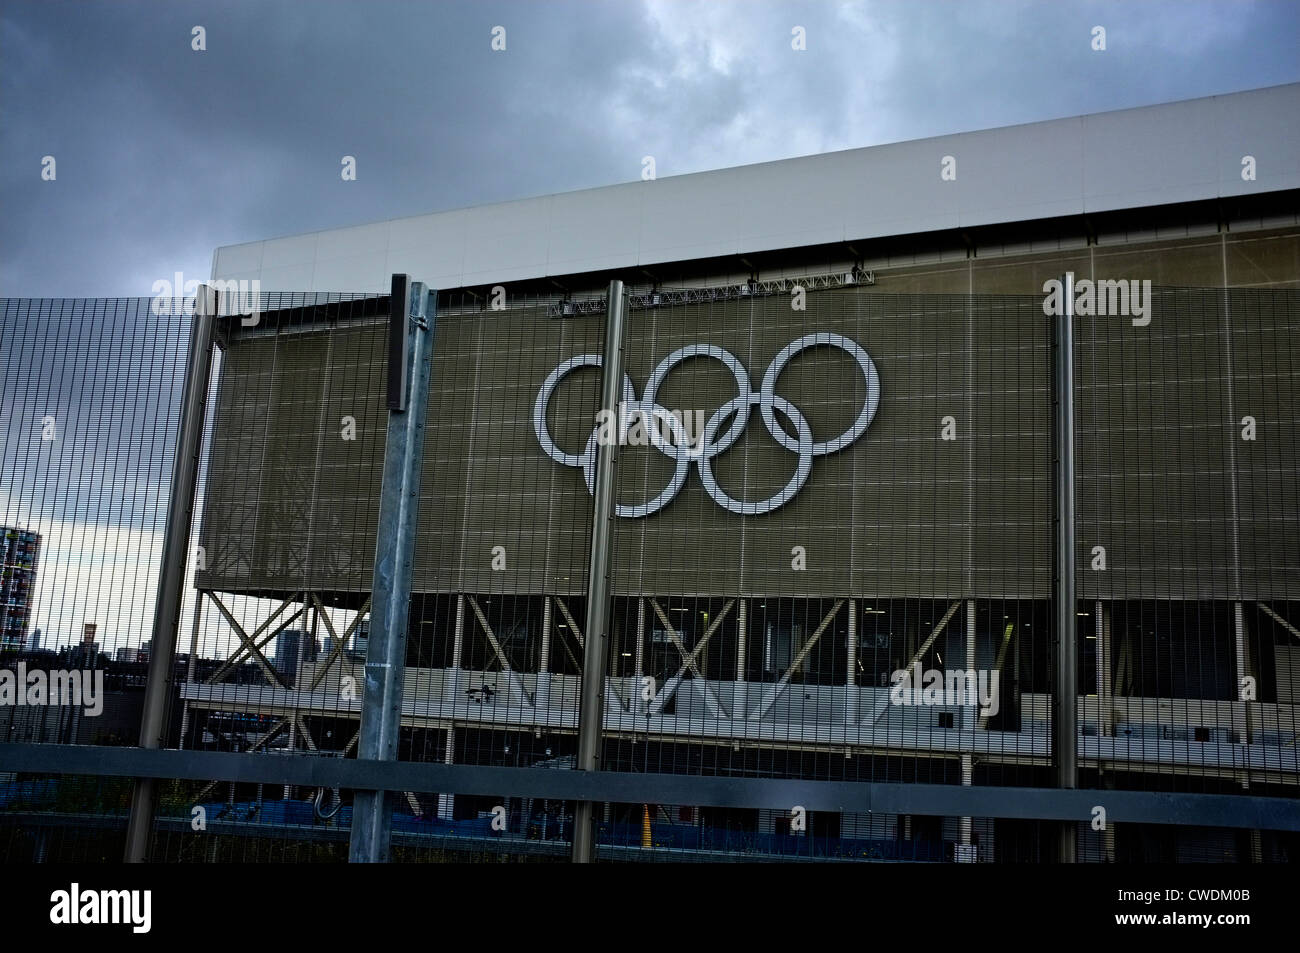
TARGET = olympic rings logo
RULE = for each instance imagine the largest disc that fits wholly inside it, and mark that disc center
(710, 444)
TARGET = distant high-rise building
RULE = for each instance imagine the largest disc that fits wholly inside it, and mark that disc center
(34, 642)
(293, 646)
(361, 638)
(19, 551)
(87, 653)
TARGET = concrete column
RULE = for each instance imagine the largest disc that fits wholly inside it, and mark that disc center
(967, 776)
(1101, 622)
(544, 665)
(1105, 704)
(459, 642)
(970, 715)
(293, 746)
(1241, 669)
(740, 696)
(1015, 673)
(639, 660)
(542, 697)
(455, 678)
(851, 679)
(447, 802)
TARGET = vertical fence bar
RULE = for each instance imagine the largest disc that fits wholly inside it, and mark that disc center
(413, 308)
(596, 650)
(1065, 715)
(171, 581)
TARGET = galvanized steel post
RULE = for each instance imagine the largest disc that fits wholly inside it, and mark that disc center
(411, 342)
(175, 559)
(591, 710)
(1065, 715)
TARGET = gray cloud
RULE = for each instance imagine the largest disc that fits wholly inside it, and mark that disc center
(164, 153)
(107, 377)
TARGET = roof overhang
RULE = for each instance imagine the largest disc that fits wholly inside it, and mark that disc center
(1180, 152)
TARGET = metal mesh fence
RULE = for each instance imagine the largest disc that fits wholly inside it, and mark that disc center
(831, 563)
(63, 818)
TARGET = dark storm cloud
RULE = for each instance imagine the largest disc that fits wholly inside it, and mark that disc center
(90, 395)
(164, 153)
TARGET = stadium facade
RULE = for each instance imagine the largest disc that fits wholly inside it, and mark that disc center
(857, 483)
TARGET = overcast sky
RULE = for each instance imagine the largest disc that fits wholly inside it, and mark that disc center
(163, 153)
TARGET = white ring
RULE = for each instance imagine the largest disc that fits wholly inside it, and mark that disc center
(868, 406)
(641, 509)
(549, 446)
(800, 474)
(679, 448)
(743, 386)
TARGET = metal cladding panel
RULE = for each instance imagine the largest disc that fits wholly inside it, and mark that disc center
(288, 499)
(1154, 446)
(1133, 158)
(901, 511)
(1265, 366)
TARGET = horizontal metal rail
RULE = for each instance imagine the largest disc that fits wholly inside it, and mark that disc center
(619, 787)
(1265, 763)
(451, 843)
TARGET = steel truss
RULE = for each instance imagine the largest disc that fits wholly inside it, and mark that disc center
(717, 713)
(754, 288)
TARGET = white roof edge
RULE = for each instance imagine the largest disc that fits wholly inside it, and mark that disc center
(1148, 155)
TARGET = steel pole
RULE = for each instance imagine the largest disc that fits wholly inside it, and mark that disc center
(1065, 715)
(595, 653)
(171, 583)
(399, 506)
